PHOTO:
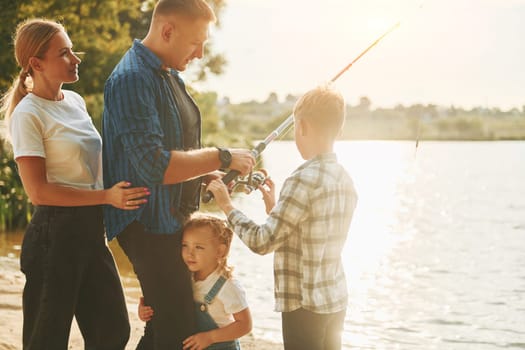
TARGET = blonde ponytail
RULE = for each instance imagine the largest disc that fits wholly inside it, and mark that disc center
(14, 95)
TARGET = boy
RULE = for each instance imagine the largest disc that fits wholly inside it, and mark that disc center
(306, 228)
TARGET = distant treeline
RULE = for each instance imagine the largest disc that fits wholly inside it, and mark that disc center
(425, 122)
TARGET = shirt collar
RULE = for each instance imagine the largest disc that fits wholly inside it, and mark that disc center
(323, 157)
(212, 276)
(150, 59)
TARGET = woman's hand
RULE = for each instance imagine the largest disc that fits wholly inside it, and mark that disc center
(124, 197)
(145, 312)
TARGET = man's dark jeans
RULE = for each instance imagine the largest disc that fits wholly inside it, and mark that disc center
(166, 285)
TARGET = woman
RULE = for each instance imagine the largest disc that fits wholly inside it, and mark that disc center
(68, 267)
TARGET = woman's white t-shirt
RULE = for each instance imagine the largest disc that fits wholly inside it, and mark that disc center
(63, 133)
(230, 299)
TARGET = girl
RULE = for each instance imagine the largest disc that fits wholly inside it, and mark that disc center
(68, 267)
(222, 312)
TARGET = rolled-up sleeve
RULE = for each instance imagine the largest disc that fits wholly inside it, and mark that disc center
(136, 124)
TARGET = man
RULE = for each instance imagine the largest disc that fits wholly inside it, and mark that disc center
(151, 136)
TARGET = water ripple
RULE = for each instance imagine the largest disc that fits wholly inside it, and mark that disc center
(504, 330)
(468, 341)
(402, 329)
(446, 322)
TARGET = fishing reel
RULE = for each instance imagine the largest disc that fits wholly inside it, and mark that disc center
(251, 181)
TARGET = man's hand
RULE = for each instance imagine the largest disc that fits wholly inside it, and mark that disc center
(242, 160)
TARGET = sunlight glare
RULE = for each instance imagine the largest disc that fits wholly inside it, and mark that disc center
(377, 25)
(371, 235)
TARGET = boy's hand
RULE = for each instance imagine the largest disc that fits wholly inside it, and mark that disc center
(197, 341)
(145, 312)
(268, 191)
(214, 175)
(222, 197)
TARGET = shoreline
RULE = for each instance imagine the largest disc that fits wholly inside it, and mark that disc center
(11, 287)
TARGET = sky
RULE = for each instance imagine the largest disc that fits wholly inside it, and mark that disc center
(466, 53)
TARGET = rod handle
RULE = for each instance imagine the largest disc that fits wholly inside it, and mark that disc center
(231, 175)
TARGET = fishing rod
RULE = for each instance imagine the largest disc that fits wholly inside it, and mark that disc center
(256, 152)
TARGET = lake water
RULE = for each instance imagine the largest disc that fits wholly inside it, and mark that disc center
(435, 257)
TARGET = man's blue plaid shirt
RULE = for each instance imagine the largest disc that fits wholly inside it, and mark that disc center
(141, 125)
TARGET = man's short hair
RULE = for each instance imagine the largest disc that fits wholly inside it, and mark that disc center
(194, 9)
(324, 107)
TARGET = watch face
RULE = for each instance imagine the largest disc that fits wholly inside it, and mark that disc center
(225, 157)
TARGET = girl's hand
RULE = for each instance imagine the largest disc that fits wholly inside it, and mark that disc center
(268, 191)
(123, 197)
(145, 312)
(197, 341)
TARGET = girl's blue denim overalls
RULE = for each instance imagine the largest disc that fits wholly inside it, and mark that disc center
(206, 323)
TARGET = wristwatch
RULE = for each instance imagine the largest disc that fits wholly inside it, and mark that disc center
(225, 157)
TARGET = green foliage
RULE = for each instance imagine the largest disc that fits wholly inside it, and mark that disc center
(95, 107)
(214, 131)
(15, 209)
(101, 29)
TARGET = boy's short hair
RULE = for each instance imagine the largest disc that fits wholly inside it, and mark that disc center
(324, 107)
(193, 9)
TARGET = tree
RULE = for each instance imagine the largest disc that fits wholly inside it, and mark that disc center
(95, 27)
(8, 21)
(364, 103)
(272, 99)
(103, 29)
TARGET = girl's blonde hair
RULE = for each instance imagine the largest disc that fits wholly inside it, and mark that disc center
(220, 230)
(32, 39)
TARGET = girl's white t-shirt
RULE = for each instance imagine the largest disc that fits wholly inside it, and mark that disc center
(63, 133)
(230, 299)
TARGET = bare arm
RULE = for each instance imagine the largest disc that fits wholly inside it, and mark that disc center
(241, 326)
(33, 173)
(186, 165)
